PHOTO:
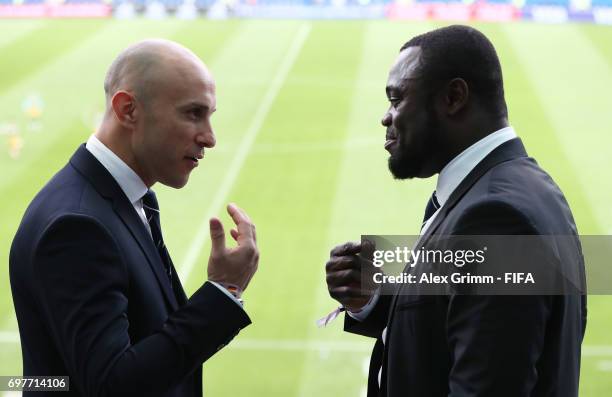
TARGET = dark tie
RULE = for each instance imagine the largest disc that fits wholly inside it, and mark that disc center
(432, 207)
(151, 209)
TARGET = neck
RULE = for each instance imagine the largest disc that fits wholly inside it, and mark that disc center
(469, 134)
(111, 138)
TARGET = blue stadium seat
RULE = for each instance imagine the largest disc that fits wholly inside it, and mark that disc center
(173, 4)
(601, 3)
(83, 1)
(439, 1)
(371, 2)
(139, 3)
(204, 4)
(547, 3)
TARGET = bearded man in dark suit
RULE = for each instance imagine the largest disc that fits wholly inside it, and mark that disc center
(448, 116)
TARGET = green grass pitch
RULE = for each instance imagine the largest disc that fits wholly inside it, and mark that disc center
(300, 147)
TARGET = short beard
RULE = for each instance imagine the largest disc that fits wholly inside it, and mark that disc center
(404, 166)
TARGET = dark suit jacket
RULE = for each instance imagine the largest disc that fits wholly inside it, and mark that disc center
(93, 301)
(495, 345)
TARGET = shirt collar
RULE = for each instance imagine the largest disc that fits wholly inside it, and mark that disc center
(458, 168)
(131, 184)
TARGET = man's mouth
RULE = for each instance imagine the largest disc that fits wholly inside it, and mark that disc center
(195, 159)
(391, 140)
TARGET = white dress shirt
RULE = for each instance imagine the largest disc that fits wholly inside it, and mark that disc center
(450, 177)
(131, 184)
(458, 168)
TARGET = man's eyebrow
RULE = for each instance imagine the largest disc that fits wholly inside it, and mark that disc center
(196, 105)
(402, 85)
(391, 89)
(193, 104)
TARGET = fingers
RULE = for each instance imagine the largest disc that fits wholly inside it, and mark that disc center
(348, 248)
(245, 228)
(234, 234)
(346, 285)
(367, 249)
(343, 271)
(344, 292)
(345, 274)
(343, 277)
(336, 263)
(237, 213)
(248, 219)
(217, 235)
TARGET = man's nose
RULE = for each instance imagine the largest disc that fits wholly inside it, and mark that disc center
(386, 120)
(207, 139)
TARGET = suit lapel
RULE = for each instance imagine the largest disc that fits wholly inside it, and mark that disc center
(106, 185)
(509, 150)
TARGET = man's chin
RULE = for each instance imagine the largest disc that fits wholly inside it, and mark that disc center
(175, 183)
(402, 169)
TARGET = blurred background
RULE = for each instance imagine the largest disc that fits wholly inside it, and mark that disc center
(300, 90)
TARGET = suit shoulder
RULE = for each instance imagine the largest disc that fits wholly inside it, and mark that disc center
(521, 190)
(494, 215)
(75, 228)
(521, 175)
(67, 196)
(66, 236)
(67, 191)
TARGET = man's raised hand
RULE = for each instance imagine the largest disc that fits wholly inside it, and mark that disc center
(234, 266)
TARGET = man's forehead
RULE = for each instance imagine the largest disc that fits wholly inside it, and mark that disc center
(202, 94)
(405, 66)
(200, 88)
(186, 75)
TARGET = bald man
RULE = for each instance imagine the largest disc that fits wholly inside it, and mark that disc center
(96, 293)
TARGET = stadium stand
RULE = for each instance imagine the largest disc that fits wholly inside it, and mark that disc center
(599, 11)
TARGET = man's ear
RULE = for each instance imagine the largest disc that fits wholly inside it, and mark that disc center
(456, 97)
(124, 108)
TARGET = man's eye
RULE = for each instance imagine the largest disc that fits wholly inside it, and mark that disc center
(195, 114)
(394, 101)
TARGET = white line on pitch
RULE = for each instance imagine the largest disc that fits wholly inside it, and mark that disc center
(597, 351)
(318, 345)
(9, 337)
(228, 181)
(605, 365)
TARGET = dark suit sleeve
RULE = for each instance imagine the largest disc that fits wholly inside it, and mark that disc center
(83, 284)
(495, 341)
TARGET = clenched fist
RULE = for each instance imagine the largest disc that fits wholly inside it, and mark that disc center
(350, 274)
